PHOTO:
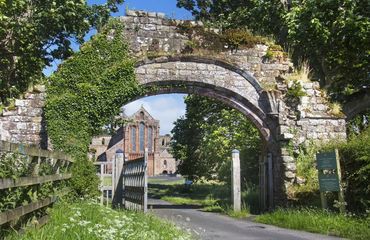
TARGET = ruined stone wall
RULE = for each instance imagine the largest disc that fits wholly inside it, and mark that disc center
(249, 82)
(309, 122)
(25, 123)
(151, 33)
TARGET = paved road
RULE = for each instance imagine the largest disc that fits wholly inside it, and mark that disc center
(213, 226)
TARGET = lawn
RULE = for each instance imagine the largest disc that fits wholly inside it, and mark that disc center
(90, 221)
(319, 221)
(210, 196)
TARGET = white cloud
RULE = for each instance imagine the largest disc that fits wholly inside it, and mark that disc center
(166, 108)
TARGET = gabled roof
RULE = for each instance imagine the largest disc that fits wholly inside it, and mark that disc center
(146, 113)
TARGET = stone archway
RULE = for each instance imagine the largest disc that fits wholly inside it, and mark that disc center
(358, 103)
(241, 79)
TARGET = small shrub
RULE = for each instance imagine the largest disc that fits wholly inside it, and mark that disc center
(295, 91)
(84, 182)
(336, 109)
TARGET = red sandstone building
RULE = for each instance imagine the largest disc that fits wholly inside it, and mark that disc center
(141, 131)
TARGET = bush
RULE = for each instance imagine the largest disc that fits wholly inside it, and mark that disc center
(84, 182)
(355, 160)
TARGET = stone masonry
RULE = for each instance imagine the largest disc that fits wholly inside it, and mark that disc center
(243, 79)
(25, 123)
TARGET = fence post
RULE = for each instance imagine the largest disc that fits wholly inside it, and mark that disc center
(145, 200)
(118, 184)
(235, 183)
(101, 183)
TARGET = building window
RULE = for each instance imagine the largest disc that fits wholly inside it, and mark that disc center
(150, 139)
(133, 138)
(163, 142)
(141, 136)
(165, 163)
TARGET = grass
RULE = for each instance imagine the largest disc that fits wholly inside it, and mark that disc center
(165, 181)
(319, 221)
(210, 196)
(90, 221)
(189, 201)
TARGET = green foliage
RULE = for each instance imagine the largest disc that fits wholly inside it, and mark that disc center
(211, 196)
(89, 221)
(35, 33)
(85, 95)
(201, 38)
(295, 91)
(355, 160)
(236, 38)
(85, 181)
(13, 165)
(89, 89)
(333, 35)
(319, 221)
(205, 137)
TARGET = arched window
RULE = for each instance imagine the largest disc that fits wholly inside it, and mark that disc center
(133, 139)
(163, 142)
(165, 163)
(141, 137)
(150, 139)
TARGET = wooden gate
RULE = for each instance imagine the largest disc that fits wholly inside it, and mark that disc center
(135, 183)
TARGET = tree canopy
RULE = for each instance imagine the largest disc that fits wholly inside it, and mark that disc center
(35, 33)
(204, 138)
(332, 35)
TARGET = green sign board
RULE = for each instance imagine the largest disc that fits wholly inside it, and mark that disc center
(326, 160)
(328, 182)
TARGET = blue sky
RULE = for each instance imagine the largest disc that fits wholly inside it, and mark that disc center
(167, 107)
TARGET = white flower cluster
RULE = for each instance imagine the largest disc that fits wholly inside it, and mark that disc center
(114, 225)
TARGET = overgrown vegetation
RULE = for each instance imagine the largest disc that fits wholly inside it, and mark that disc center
(204, 139)
(14, 166)
(332, 35)
(87, 220)
(35, 33)
(319, 221)
(85, 94)
(201, 38)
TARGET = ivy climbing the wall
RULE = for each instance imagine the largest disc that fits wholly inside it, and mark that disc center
(85, 93)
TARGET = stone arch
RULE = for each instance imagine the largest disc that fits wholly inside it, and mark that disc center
(209, 77)
(228, 83)
(358, 103)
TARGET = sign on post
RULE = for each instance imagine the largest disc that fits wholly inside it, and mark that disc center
(329, 176)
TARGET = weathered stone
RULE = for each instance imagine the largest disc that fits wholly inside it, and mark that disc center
(239, 79)
(289, 174)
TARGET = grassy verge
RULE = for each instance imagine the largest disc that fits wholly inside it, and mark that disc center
(319, 221)
(91, 221)
(211, 197)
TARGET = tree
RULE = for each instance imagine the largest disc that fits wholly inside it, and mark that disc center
(332, 35)
(205, 137)
(35, 33)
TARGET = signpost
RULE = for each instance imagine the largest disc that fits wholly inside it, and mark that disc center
(330, 177)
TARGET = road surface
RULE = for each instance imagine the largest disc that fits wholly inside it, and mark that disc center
(213, 226)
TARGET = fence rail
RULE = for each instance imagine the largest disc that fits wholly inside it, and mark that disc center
(18, 212)
(59, 167)
(29, 181)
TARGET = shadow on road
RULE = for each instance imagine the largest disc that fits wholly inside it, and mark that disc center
(172, 206)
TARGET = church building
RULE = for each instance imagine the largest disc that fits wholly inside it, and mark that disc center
(140, 131)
